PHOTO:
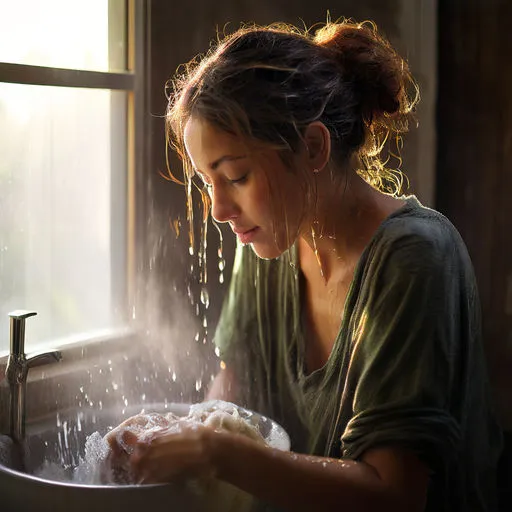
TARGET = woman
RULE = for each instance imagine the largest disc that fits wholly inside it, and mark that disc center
(352, 316)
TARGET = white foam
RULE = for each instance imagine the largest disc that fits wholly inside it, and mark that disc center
(53, 471)
(99, 467)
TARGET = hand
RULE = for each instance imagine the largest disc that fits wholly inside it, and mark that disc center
(124, 439)
(170, 455)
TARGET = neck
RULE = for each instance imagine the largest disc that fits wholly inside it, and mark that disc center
(342, 224)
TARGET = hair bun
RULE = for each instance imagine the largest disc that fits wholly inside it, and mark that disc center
(381, 77)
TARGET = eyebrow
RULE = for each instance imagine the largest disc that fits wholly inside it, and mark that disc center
(226, 158)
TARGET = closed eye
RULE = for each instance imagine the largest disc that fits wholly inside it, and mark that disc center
(240, 181)
(205, 181)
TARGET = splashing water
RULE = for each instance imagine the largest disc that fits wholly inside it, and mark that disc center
(99, 466)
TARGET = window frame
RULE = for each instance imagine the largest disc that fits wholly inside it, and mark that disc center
(133, 82)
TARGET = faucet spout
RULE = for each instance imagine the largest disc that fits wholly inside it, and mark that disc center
(16, 371)
(42, 358)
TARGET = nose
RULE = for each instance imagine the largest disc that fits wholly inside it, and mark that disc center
(224, 207)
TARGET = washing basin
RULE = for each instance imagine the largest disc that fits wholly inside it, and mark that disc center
(54, 448)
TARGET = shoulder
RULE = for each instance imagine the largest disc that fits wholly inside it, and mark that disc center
(418, 233)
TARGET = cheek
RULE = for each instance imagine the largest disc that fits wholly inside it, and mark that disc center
(285, 209)
(290, 199)
(259, 202)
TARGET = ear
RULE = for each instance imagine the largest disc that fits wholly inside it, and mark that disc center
(317, 139)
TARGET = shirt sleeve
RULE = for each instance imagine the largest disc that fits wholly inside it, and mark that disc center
(406, 348)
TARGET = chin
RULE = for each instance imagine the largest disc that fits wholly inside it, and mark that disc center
(267, 252)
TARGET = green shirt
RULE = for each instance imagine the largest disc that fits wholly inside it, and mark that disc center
(407, 367)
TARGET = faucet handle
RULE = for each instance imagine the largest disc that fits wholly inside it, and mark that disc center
(18, 318)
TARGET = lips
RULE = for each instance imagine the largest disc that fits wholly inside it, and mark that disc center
(246, 236)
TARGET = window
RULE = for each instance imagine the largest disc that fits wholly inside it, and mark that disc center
(67, 109)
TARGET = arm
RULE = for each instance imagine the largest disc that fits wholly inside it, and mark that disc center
(386, 479)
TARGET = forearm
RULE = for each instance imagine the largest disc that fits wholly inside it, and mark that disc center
(297, 482)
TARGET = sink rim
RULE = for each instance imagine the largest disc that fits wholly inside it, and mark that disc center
(60, 483)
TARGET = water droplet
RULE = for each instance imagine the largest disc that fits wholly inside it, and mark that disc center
(191, 251)
(133, 312)
(221, 278)
(205, 298)
(217, 351)
(205, 322)
(115, 386)
(81, 389)
(143, 397)
(126, 402)
(174, 376)
(196, 337)
(198, 384)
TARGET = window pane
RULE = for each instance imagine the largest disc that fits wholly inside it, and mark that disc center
(59, 33)
(62, 189)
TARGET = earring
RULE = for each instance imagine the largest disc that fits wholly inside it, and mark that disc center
(315, 250)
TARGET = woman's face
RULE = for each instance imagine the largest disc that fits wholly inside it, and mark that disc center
(253, 190)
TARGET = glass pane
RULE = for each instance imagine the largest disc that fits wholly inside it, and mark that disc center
(62, 189)
(62, 34)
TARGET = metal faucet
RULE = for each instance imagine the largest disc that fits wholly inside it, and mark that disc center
(16, 371)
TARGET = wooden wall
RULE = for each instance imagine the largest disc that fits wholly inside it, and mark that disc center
(474, 166)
